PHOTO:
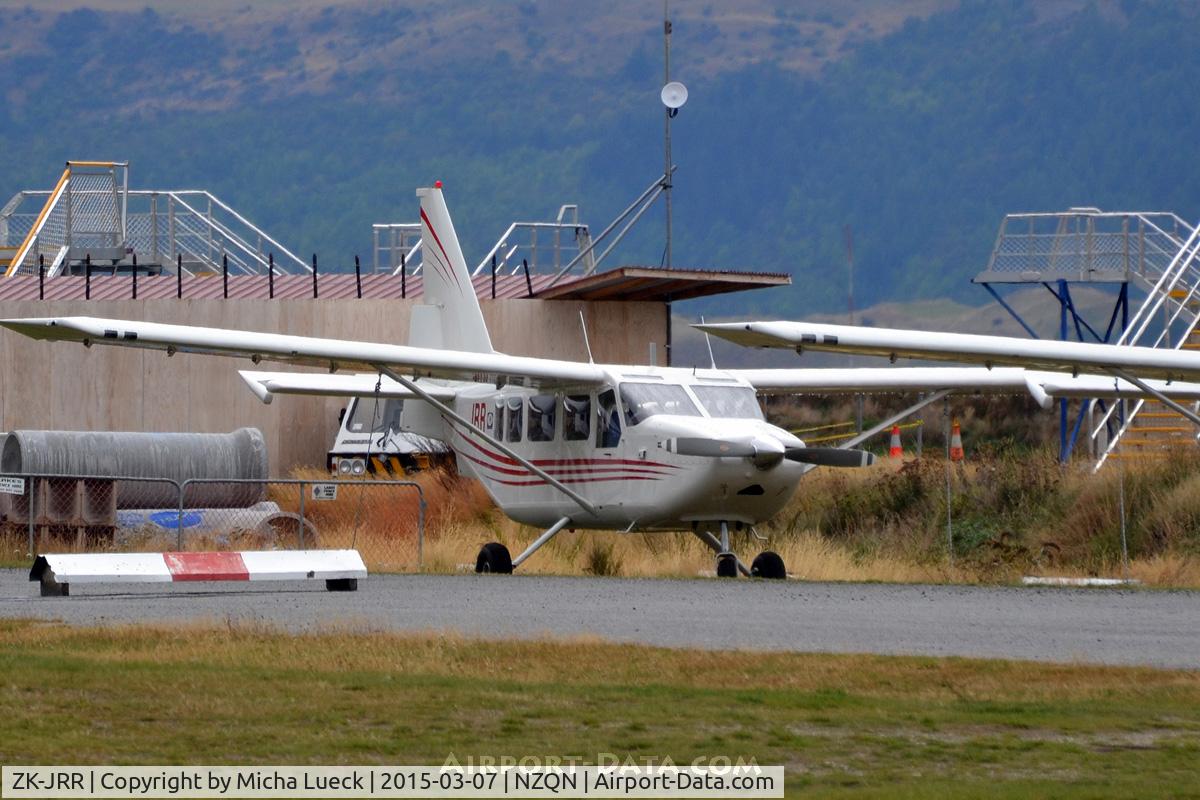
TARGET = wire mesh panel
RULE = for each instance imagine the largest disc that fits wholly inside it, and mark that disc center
(83, 514)
(382, 519)
(86, 210)
(1085, 245)
(48, 229)
(94, 213)
(16, 228)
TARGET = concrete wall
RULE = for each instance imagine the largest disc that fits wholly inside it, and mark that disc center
(65, 386)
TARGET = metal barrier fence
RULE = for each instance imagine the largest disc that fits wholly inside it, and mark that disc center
(383, 519)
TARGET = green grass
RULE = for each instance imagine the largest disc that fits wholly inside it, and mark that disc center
(841, 725)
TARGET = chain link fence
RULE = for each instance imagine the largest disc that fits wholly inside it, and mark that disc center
(383, 519)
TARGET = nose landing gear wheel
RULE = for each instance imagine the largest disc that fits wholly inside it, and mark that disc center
(494, 557)
(727, 565)
(768, 565)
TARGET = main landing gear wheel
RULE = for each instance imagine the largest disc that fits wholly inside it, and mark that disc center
(768, 565)
(727, 565)
(494, 557)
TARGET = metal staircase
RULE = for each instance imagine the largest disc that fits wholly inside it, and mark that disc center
(1169, 318)
(91, 216)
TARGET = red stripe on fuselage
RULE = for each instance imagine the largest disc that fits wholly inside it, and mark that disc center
(564, 462)
(558, 472)
(540, 482)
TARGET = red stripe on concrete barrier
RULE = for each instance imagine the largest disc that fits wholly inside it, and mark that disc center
(206, 566)
(340, 569)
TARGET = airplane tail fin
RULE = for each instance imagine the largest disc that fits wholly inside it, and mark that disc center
(446, 280)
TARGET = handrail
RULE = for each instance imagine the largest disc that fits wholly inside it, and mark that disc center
(487, 257)
(253, 227)
(1159, 294)
(1089, 241)
(512, 228)
(229, 238)
(1184, 264)
(104, 164)
(658, 183)
(229, 233)
(1164, 333)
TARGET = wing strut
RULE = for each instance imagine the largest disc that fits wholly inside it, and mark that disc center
(892, 420)
(1161, 397)
(541, 540)
(456, 418)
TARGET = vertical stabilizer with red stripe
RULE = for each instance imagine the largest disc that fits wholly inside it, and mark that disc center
(447, 284)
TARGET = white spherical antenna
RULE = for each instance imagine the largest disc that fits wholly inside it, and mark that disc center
(674, 95)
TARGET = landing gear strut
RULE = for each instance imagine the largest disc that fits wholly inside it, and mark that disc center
(494, 557)
(728, 564)
(768, 564)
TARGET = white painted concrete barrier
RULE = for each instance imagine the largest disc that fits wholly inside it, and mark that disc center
(340, 569)
(1040, 581)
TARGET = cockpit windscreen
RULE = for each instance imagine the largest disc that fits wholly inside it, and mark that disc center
(644, 400)
(729, 402)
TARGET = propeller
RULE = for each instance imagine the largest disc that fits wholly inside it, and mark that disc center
(830, 456)
(766, 455)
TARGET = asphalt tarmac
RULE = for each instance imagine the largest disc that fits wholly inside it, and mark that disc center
(1104, 626)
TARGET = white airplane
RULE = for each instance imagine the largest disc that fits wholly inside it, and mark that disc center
(565, 444)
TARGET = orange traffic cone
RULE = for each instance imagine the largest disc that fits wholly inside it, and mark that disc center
(894, 450)
(956, 448)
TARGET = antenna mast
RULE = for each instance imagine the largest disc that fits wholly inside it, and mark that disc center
(673, 95)
(668, 113)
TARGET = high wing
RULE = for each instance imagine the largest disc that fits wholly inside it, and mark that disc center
(1141, 362)
(1043, 386)
(268, 384)
(332, 354)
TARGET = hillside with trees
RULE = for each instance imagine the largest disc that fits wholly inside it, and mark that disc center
(919, 124)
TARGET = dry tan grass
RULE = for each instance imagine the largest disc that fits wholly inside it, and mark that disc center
(885, 523)
(587, 660)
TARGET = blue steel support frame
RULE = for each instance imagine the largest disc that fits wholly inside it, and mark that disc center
(1069, 317)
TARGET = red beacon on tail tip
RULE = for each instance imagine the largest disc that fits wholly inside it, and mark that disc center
(437, 184)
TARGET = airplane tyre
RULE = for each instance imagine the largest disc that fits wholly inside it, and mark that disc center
(494, 557)
(768, 565)
(727, 565)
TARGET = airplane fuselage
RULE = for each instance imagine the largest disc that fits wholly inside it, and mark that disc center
(615, 445)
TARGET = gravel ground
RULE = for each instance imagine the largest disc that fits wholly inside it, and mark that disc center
(1107, 626)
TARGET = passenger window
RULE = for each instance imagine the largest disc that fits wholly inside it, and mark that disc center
(541, 417)
(608, 420)
(577, 417)
(512, 419)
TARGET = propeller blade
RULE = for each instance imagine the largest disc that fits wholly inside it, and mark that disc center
(830, 456)
(713, 448)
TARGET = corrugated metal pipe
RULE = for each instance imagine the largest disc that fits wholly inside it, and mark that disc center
(163, 456)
